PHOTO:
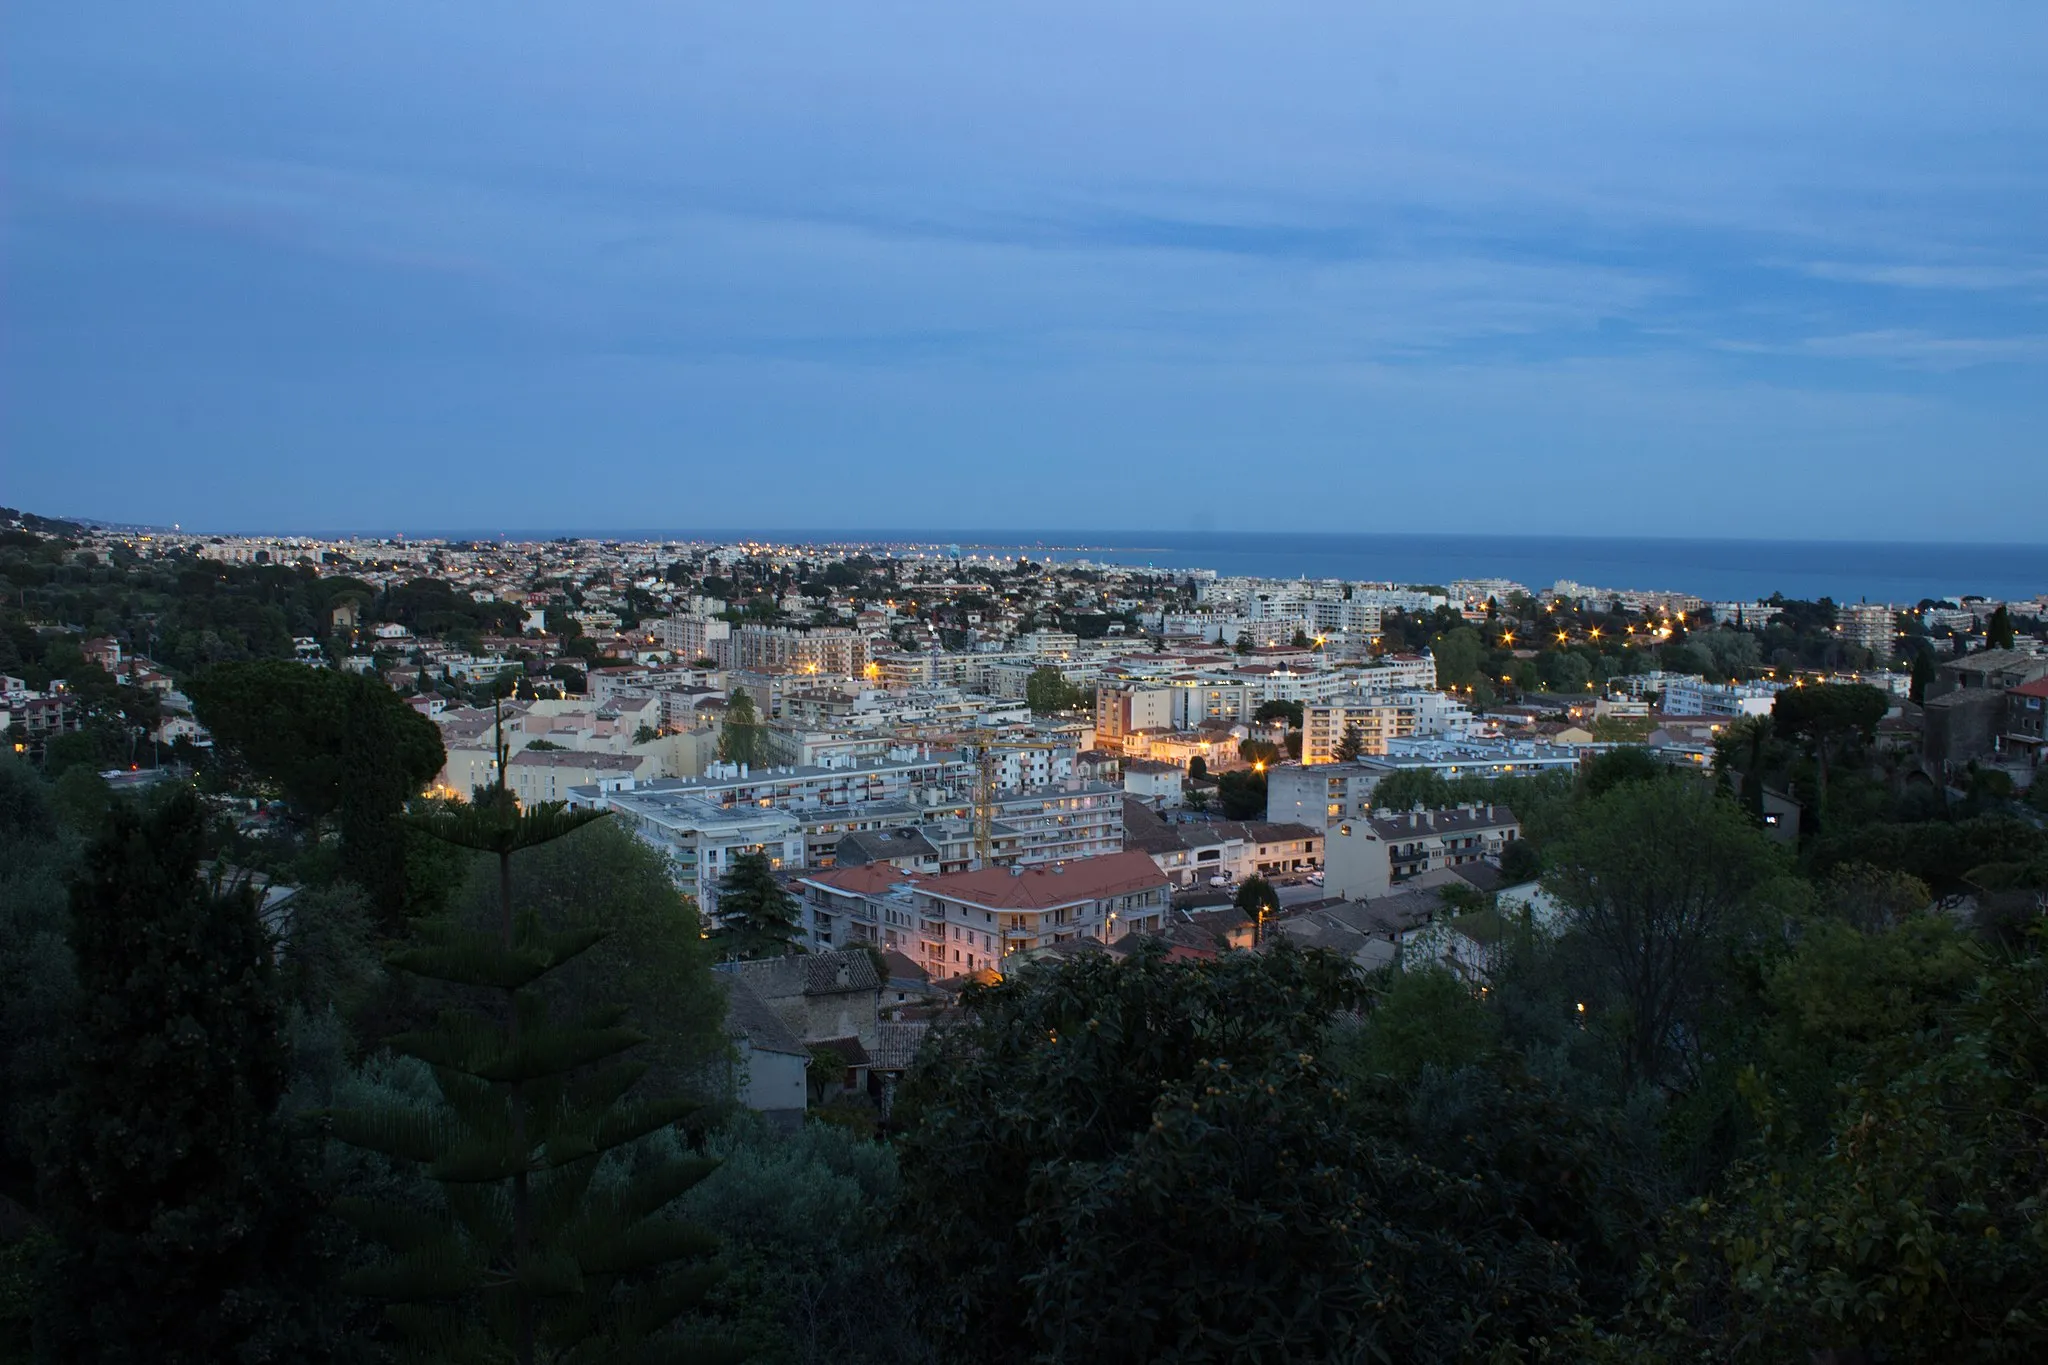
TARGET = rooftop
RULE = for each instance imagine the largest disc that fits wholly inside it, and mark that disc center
(1042, 888)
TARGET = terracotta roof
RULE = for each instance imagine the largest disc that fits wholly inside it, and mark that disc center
(1041, 888)
(2037, 688)
(862, 879)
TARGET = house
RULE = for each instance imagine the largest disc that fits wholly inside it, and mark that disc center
(2026, 722)
(769, 1074)
(1194, 853)
(1419, 841)
(1990, 670)
(104, 651)
(1154, 782)
(905, 848)
(1365, 858)
(819, 997)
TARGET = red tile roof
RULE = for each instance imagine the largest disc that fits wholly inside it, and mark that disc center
(1041, 888)
(2037, 688)
(868, 879)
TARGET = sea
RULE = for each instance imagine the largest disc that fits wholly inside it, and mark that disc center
(1720, 570)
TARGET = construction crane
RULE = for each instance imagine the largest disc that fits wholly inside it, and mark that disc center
(984, 754)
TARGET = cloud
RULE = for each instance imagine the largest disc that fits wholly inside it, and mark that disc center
(1965, 277)
(1906, 348)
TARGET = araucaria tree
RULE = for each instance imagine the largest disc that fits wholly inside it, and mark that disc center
(169, 1184)
(756, 917)
(534, 1258)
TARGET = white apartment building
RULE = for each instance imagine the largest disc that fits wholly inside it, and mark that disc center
(1873, 625)
(693, 636)
(1381, 717)
(1693, 697)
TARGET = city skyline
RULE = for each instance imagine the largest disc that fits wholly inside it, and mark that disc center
(1728, 272)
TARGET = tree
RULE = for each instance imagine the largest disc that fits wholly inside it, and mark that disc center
(1047, 691)
(336, 744)
(1258, 752)
(1198, 768)
(1826, 715)
(1659, 880)
(1242, 794)
(756, 917)
(1257, 899)
(742, 738)
(1617, 767)
(530, 1258)
(172, 1189)
(1351, 744)
(1998, 631)
(1411, 789)
(37, 854)
(1270, 711)
(645, 734)
(1244, 642)
(1923, 674)
(1141, 1160)
(1912, 1229)
(653, 959)
(1520, 862)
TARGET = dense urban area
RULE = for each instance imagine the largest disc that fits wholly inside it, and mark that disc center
(592, 950)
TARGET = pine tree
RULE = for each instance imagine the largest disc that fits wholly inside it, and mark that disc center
(169, 1182)
(739, 736)
(757, 918)
(1998, 631)
(544, 1264)
(1352, 744)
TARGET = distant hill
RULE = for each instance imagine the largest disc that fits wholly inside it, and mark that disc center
(14, 519)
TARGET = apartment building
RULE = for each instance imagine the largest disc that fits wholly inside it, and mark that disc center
(538, 775)
(826, 651)
(1424, 841)
(1873, 625)
(1695, 697)
(701, 839)
(691, 636)
(1121, 710)
(963, 922)
(1380, 717)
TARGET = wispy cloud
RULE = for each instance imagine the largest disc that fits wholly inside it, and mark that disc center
(1966, 277)
(1905, 348)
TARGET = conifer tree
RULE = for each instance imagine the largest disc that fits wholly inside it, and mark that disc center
(739, 737)
(1352, 743)
(757, 918)
(169, 1183)
(543, 1262)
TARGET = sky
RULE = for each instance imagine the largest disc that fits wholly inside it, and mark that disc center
(1713, 269)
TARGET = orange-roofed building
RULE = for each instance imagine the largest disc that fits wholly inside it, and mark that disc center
(964, 922)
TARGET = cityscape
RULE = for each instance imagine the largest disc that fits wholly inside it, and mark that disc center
(1024, 684)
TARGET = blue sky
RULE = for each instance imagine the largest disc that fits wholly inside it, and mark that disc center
(1726, 268)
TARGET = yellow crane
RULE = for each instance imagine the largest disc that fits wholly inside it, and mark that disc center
(983, 752)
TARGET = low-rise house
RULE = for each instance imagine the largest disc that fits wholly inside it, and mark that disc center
(769, 1070)
(2026, 722)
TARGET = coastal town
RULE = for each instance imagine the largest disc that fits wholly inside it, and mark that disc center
(964, 761)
